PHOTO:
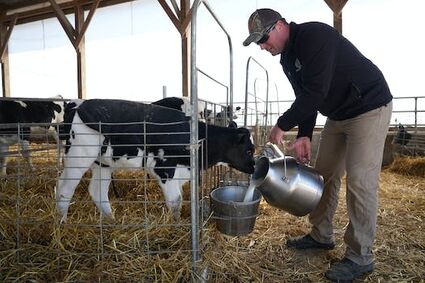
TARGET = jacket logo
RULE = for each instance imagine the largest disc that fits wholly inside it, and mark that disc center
(298, 65)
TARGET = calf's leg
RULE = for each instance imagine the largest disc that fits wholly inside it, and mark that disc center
(98, 188)
(173, 188)
(25, 145)
(77, 161)
(60, 145)
(4, 148)
(173, 197)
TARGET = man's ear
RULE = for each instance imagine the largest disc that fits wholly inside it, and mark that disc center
(279, 25)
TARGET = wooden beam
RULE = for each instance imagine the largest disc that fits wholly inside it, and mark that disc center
(86, 22)
(170, 14)
(4, 40)
(42, 11)
(185, 22)
(336, 5)
(176, 8)
(77, 34)
(63, 20)
(181, 22)
(22, 4)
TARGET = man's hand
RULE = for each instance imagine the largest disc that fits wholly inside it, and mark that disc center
(302, 147)
(276, 135)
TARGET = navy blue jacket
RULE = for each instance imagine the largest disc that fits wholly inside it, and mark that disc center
(329, 75)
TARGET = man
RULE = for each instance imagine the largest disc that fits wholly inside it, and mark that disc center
(329, 75)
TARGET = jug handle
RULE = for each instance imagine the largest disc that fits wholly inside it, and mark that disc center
(278, 153)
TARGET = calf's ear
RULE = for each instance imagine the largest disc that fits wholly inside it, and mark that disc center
(232, 125)
(57, 107)
(242, 138)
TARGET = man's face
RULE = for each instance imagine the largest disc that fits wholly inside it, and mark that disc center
(277, 38)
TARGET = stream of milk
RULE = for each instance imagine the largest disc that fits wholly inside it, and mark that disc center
(249, 195)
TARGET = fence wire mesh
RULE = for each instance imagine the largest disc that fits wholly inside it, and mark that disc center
(143, 232)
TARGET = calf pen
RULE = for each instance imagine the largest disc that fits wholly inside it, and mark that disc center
(139, 245)
(146, 244)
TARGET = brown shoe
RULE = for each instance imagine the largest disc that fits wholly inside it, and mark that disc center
(307, 242)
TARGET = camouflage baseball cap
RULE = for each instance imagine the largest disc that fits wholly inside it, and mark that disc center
(258, 23)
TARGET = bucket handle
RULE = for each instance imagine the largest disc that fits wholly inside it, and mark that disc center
(277, 153)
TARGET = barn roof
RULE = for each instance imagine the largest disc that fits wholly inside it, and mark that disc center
(13, 12)
(13, 4)
(32, 10)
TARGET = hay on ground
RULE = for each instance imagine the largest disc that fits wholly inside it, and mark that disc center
(145, 244)
(409, 166)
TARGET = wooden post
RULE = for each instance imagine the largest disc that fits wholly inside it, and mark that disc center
(181, 22)
(5, 78)
(337, 6)
(186, 42)
(81, 53)
(76, 36)
(5, 32)
(338, 22)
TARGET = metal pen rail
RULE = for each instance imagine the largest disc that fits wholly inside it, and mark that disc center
(194, 186)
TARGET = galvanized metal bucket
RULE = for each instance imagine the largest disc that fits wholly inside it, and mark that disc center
(232, 215)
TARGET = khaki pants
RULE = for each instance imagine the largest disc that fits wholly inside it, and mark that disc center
(354, 146)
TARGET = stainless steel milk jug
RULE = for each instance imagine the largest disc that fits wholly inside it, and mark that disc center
(287, 184)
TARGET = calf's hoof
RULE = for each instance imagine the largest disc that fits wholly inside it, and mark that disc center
(108, 218)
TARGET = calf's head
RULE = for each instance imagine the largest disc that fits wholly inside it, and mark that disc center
(402, 137)
(240, 154)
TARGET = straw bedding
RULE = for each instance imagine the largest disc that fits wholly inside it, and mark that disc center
(145, 244)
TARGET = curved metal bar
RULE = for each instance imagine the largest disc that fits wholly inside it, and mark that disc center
(277, 99)
(211, 78)
(256, 101)
(229, 40)
(246, 86)
(194, 148)
(270, 102)
(217, 82)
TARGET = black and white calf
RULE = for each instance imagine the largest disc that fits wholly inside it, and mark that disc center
(182, 104)
(406, 143)
(223, 117)
(106, 135)
(26, 112)
(402, 137)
